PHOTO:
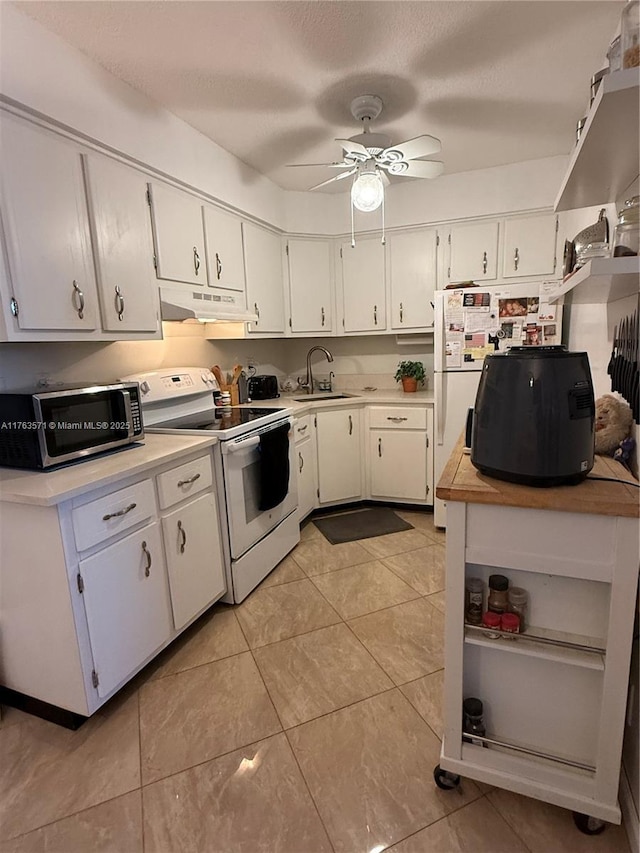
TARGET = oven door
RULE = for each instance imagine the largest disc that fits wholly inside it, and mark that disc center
(241, 465)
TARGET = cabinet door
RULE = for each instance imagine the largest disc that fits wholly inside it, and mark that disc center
(412, 264)
(123, 246)
(339, 475)
(473, 252)
(178, 234)
(194, 558)
(127, 605)
(398, 460)
(310, 285)
(363, 283)
(263, 263)
(306, 461)
(530, 246)
(47, 229)
(224, 248)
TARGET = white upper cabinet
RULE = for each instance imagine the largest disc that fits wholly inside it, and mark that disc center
(263, 264)
(473, 252)
(412, 271)
(46, 226)
(310, 285)
(529, 246)
(178, 235)
(224, 249)
(363, 286)
(123, 247)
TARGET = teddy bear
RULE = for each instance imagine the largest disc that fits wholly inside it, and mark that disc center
(613, 423)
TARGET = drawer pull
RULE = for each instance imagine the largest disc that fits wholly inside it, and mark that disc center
(184, 537)
(119, 513)
(189, 481)
(350, 425)
(303, 428)
(147, 553)
(301, 462)
(397, 420)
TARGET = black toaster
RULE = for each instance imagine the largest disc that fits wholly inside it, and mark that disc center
(263, 387)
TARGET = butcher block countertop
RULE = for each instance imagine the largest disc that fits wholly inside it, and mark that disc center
(460, 481)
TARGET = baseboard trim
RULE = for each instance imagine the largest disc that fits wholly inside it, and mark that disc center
(629, 812)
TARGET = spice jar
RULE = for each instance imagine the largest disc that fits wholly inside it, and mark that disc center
(626, 237)
(498, 586)
(474, 598)
(630, 34)
(519, 604)
(510, 623)
(491, 620)
(472, 721)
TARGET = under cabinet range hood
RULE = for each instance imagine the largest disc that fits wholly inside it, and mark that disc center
(205, 304)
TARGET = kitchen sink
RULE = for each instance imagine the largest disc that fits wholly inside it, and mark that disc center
(328, 396)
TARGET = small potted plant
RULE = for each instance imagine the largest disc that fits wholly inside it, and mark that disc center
(410, 372)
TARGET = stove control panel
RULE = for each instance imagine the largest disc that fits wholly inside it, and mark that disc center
(174, 383)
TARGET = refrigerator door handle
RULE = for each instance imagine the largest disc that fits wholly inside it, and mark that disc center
(440, 407)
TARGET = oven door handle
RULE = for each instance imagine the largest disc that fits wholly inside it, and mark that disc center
(237, 446)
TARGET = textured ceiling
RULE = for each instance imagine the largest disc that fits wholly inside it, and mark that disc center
(497, 82)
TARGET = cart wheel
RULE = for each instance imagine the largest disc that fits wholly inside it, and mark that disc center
(445, 780)
(589, 825)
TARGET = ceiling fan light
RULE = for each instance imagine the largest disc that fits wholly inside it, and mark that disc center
(367, 192)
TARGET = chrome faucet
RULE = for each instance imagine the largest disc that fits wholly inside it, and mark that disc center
(308, 383)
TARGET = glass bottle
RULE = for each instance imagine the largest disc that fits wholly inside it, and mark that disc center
(519, 604)
(474, 598)
(498, 586)
(472, 721)
(630, 34)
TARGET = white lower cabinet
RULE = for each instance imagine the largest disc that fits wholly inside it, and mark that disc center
(339, 462)
(194, 558)
(398, 464)
(127, 605)
(306, 478)
(107, 582)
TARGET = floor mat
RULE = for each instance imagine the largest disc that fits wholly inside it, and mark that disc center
(360, 524)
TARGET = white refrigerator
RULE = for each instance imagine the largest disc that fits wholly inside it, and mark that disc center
(469, 324)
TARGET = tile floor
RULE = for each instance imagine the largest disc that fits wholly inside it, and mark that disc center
(307, 719)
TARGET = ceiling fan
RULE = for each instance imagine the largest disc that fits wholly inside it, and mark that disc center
(370, 156)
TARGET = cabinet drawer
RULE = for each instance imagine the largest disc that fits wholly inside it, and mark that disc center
(302, 428)
(186, 480)
(98, 520)
(386, 417)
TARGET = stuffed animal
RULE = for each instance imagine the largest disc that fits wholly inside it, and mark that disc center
(613, 423)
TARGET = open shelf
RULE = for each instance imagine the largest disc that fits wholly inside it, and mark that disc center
(605, 160)
(573, 649)
(601, 280)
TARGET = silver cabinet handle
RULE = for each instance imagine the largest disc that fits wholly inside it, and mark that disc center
(119, 513)
(375, 315)
(380, 447)
(147, 553)
(301, 462)
(189, 481)
(303, 428)
(396, 420)
(322, 313)
(516, 259)
(119, 303)
(484, 263)
(77, 292)
(256, 310)
(218, 267)
(196, 260)
(184, 537)
(401, 313)
(350, 425)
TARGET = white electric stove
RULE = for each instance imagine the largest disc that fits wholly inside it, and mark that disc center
(179, 400)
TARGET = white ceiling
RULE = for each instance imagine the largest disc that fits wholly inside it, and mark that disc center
(497, 82)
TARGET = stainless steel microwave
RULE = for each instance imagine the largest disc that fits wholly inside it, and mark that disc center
(44, 428)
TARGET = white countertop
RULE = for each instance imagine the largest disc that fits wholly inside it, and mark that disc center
(390, 396)
(46, 488)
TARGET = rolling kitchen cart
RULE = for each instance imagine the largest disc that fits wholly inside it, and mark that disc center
(554, 697)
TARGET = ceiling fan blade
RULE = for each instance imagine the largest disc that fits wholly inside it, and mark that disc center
(415, 168)
(354, 149)
(421, 146)
(308, 165)
(331, 180)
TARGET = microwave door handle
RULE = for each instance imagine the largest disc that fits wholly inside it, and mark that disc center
(128, 414)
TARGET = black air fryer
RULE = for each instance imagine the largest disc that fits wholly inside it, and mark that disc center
(534, 417)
